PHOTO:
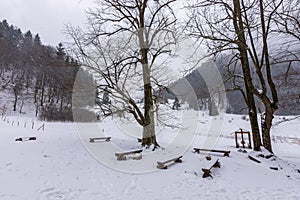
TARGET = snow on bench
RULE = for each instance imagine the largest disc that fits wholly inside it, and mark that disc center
(122, 156)
(207, 171)
(163, 165)
(107, 139)
(225, 153)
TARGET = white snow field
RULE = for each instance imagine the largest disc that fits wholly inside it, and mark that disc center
(58, 165)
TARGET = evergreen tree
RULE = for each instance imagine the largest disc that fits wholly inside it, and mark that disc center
(60, 51)
(28, 35)
(37, 39)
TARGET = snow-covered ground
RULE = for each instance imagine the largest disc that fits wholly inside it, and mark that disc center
(62, 164)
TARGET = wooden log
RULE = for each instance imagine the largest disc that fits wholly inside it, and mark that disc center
(163, 165)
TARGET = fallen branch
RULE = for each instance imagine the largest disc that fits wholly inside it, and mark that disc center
(254, 159)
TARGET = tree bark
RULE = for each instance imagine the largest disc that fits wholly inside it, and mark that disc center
(270, 106)
(15, 101)
(148, 125)
(242, 47)
(266, 137)
(149, 137)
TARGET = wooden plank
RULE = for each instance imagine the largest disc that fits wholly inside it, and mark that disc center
(226, 153)
(162, 165)
(107, 139)
(177, 159)
(129, 152)
(122, 156)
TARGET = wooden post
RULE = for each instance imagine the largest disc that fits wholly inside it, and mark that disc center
(236, 141)
(243, 142)
(249, 141)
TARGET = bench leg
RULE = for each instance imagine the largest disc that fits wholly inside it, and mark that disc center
(217, 164)
(196, 151)
(162, 166)
(178, 160)
(138, 157)
(122, 157)
(226, 154)
(207, 173)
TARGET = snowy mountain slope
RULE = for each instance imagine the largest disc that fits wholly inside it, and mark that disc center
(58, 166)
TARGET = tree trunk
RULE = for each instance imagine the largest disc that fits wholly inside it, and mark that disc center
(149, 126)
(149, 137)
(149, 133)
(242, 47)
(213, 111)
(36, 109)
(15, 102)
(254, 125)
(21, 106)
(266, 136)
(16, 95)
(270, 106)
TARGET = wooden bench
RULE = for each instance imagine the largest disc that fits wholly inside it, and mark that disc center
(225, 153)
(25, 138)
(107, 139)
(207, 172)
(163, 165)
(122, 156)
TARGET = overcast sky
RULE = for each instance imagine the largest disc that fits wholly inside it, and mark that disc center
(46, 17)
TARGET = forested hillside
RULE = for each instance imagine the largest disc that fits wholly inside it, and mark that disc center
(40, 78)
(287, 80)
(34, 78)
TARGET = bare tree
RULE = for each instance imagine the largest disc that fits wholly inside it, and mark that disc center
(244, 30)
(288, 18)
(122, 45)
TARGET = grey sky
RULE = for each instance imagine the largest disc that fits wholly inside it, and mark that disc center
(46, 17)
